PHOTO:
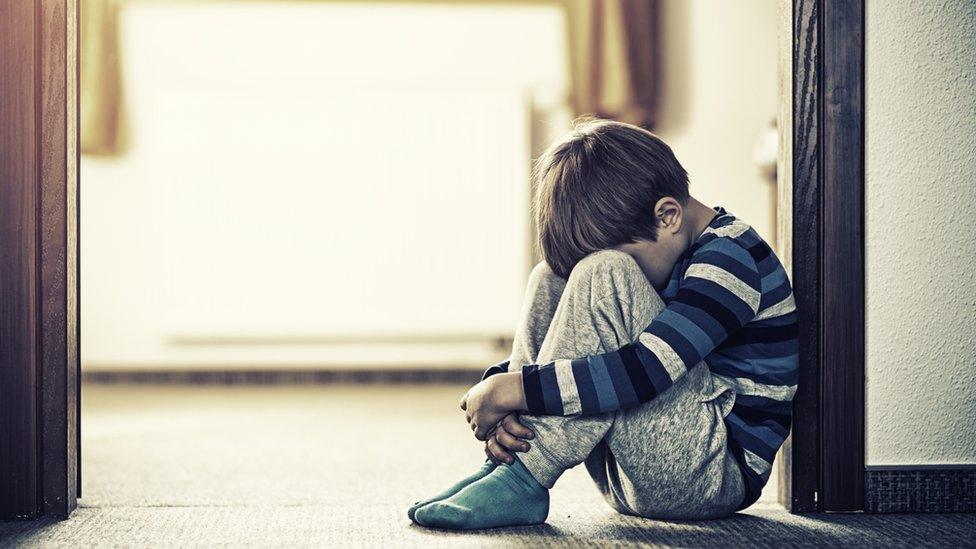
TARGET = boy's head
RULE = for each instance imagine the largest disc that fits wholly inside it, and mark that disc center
(606, 185)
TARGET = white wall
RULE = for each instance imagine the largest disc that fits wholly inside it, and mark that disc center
(719, 92)
(157, 268)
(302, 171)
(921, 232)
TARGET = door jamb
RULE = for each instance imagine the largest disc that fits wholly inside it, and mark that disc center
(39, 359)
(826, 471)
(39, 343)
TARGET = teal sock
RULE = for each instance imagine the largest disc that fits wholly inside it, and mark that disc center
(508, 496)
(486, 468)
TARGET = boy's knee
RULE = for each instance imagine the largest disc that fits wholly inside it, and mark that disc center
(546, 280)
(614, 273)
(605, 264)
(542, 271)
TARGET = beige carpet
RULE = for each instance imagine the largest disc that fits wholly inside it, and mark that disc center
(335, 465)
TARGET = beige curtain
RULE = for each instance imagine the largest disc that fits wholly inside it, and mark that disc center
(613, 59)
(101, 86)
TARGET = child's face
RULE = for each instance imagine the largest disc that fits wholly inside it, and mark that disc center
(657, 258)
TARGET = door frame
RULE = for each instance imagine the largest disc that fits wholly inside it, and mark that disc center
(826, 188)
(39, 328)
(39, 275)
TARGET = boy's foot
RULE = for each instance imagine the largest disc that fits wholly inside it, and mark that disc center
(509, 496)
(482, 471)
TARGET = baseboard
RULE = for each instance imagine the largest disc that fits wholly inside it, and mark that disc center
(283, 377)
(920, 489)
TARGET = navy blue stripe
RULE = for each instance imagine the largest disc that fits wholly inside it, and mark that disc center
(781, 407)
(703, 240)
(748, 239)
(638, 377)
(763, 334)
(686, 351)
(773, 296)
(708, 324)
(533, 389)
(550, 390)
(656, 371)
(759, 251)
(716, 310)
(589, 402)
(498, 368)
(721, 220)
(752, 442)
(758, 366)
(730, 300)
(721, 259)
(776, 349)
(785, 378)
(768, 265)
(626, 396)
(757, 417)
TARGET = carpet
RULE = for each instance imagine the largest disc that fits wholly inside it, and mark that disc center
(338, 465)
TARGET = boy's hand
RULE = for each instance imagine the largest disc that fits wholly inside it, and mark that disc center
(488, 402)
(507, 436)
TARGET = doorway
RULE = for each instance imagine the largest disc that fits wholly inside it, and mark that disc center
(55, 378)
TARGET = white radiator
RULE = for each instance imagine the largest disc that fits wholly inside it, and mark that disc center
(317, 184)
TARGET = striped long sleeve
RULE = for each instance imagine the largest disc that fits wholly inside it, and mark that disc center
(497, 368)
(718, 293)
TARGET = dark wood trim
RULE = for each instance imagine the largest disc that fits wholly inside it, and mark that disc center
(828, 255)
(57, 181)
(804, 459)
(38, 260)
(842, 270)
(74, 52)
(19, 496)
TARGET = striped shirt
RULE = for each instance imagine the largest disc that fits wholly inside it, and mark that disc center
(729, 303)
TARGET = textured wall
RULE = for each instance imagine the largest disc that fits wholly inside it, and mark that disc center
(921, 232)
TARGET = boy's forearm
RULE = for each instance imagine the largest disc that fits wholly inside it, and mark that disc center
(508, 391)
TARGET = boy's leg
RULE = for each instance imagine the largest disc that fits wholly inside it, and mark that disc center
(541, 298)
(667, 458)
(542, 295)
(606, 303)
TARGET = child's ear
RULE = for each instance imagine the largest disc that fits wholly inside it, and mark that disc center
(668, 212)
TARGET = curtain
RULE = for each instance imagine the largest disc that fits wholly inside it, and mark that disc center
(613, 59)
(101, 86)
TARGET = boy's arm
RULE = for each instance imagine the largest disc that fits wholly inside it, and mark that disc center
(718, 295)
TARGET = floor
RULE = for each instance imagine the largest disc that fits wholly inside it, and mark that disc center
(339, 464)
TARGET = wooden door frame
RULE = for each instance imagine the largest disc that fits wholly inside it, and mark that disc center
(39, 344)
(826, 465)
(39, 337)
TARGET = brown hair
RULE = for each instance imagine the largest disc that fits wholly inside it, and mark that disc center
(596, 189)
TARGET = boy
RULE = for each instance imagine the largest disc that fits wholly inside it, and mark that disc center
(657, 345)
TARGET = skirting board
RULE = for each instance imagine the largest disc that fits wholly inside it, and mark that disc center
(920, 489)
(284, 377)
